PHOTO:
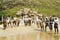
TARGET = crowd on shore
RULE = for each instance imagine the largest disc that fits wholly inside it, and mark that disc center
(34, 18)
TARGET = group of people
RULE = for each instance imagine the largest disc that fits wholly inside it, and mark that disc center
(34, 18)
(52, 23)
(28, 20)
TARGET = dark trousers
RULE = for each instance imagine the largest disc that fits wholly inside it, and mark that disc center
(29, 21)
(46, 24)
(50, 27)
(56, 27)
(4, 25)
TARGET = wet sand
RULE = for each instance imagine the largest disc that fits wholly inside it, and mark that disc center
(27, 33)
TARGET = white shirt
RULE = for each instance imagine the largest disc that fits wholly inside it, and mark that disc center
(56, 21)
(15, 18)
(26, 19)
(8, 20)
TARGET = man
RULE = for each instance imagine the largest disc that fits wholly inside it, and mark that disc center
(8, 21)
(37, 21)
(42, 24)
(18, 22)
(25, 20)
(50, 23)
(4, 23)
(46, 22)
(14, 21)
(56, 25)
(29, 21)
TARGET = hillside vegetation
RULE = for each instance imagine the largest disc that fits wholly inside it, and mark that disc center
(46, 7)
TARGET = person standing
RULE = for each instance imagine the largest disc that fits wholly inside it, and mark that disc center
(4, 23)
(8, 20)
(42, 24)
(46, 23)
(37, 21)
(15, 21)
(56, 25)
(25, 20)
(29, 21)
(18, 22)
(50, 23)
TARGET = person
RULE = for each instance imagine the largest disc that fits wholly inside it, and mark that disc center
(25, 20)
(42, 24)
(33, 19)
(29, 21)
(37, 21)
(8, 21)
(14, 21)
(50, 23)
(56, 25)
(46, 22)
(4, 23)
(18, 22)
